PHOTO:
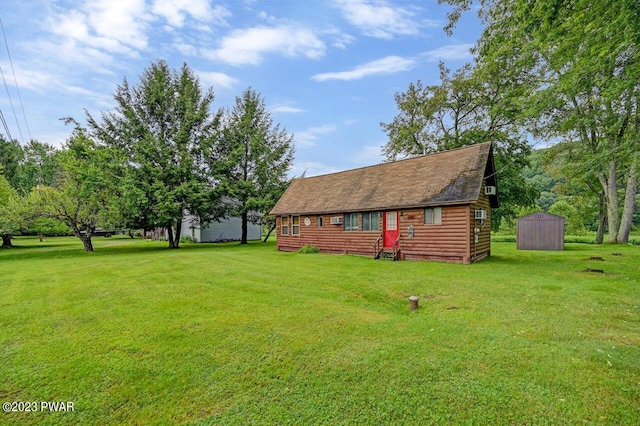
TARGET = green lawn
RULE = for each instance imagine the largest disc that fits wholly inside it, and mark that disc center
(227, 334)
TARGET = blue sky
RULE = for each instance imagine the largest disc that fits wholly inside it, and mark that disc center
(328, 70)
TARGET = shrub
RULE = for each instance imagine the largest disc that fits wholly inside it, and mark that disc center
(503, 238)
(187, 239)
(308, 249)
(585, 239)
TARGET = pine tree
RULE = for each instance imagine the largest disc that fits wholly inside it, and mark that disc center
(255, 156)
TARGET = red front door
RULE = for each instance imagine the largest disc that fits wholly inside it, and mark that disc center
(391, 230)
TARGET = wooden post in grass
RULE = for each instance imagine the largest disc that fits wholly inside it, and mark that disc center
(413, 303)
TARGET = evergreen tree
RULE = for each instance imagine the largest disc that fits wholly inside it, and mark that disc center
(160, 131)
(255, 156)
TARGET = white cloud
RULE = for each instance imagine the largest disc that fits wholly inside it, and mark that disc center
(450, 52)
(56, 139)
(82, 96)
(309, 137)
(342, 41)
(35, 80)
(122, 21)
(175, 11)
(368, 155)
(286, 109)
(113, 26)
(217, 79)
(186, 49)
(248, 46)
(264, 15)
(58, 52)
(311, 168)
(388, 65)
(82, 91)
(379, 19)
(71, 24)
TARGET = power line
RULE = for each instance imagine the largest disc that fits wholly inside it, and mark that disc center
(15, 80)
(11, 103)
(4, 123)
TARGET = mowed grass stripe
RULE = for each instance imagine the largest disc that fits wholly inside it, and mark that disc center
(212, 334)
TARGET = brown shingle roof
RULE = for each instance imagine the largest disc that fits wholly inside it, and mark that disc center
(447, 177)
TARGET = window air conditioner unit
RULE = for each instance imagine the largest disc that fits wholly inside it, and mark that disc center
(336, 220)
(481, 214)
(490, 190)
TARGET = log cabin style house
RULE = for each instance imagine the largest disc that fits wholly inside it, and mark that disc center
(432, 207)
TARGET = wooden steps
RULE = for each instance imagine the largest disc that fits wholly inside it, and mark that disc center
(387, 253)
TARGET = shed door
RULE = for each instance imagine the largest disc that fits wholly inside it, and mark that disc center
(390, 228)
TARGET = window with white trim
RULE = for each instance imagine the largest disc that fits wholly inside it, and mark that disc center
(370, 221)
(351, 221)
(433, 216)
(295, 225)
(319, 221)
(284, 227)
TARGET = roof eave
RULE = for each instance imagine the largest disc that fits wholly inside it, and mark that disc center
(380, 208)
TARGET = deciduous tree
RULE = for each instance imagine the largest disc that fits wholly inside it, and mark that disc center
(39, 166)
(82, 196)
(581, 60)
(10, 157)
(9, 217)
(465, 108)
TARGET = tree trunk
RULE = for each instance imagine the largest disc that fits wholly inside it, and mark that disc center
(6, 240)
(245, 221)
(602, 220)
(84, 237)
(610, 187)
(173, 243)
(178, 233)
(88, 245)
(629, 203)
(270, 231)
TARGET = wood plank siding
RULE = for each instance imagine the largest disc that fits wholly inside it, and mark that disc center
(447, 241)
(328, 238)
(482, 248)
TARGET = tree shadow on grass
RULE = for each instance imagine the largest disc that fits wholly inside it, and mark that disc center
(70, 249)
(538, 257)
(39, 246)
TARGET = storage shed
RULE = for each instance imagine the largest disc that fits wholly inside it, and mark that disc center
(540, 231)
